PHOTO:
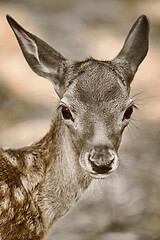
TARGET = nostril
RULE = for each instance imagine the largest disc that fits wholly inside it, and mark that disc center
(110, 165)
(96, 157)
(101, 169)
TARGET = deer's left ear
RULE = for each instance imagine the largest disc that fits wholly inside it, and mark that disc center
(42, 58)
(134, 49)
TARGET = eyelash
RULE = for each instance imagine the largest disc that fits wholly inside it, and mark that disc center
(66, 113)
(129, 112)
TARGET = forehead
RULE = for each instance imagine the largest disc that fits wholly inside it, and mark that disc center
(96, 82)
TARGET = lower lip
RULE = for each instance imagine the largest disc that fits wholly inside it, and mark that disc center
(99, 176)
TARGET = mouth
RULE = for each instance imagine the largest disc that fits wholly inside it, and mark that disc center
(100, 172)
(98, 175)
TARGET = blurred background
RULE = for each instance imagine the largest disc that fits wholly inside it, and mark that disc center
(126, 206)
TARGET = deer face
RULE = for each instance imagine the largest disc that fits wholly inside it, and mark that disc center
(95, 104)
(96, 108)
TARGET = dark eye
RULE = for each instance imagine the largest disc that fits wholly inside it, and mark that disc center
(66, 113)
(128, 113)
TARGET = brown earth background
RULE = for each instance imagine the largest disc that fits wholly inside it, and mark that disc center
(126, 206)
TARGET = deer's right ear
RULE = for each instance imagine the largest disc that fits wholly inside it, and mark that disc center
(42, 58)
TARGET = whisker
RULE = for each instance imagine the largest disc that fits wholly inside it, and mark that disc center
(128, 128)
(134, 125)
(135, 120)
(137, 94)
(143, 100)
(131, 132)
(49, 95)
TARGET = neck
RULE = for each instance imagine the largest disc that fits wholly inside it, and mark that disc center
(59, 181)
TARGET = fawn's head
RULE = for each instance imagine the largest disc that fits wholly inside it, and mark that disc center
(94, 95)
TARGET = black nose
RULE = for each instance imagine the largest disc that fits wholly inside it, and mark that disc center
(101, 159)
(101, 169)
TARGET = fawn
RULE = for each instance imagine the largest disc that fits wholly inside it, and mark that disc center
(40, 183)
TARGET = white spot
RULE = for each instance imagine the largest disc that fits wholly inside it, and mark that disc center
(18, 195)
(25, 182)
(30, 180)
(3, 220)
(5, 204)
(29, 160)
(10, 158)
(4, 188)
(33, 179)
